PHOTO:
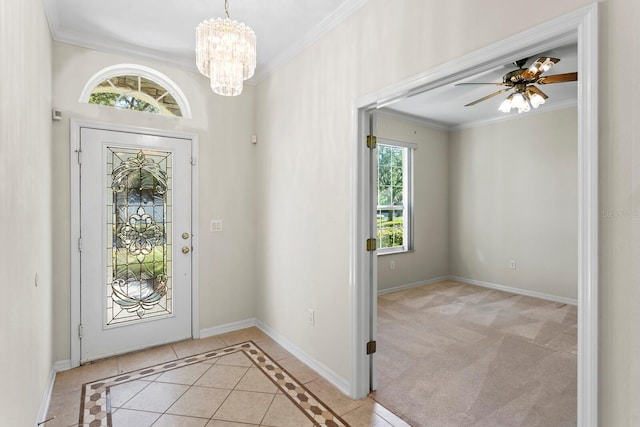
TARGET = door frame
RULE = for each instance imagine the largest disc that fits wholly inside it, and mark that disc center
(75, 127)
(581, 26)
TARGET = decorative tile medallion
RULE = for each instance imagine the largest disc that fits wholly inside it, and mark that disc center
(95, 405)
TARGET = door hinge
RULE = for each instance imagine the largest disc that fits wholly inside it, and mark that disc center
(371, 347)
(193, 161)
(371, 245)
(371, 141)
(79, 244)
(79, 156)
(79, 331)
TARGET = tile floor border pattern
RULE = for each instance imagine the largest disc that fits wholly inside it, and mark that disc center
(95, 406)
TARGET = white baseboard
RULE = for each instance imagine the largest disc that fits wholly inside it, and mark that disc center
(518, 291)
(329, 375)
(46, 398)
(320, 368)
(58, 366)
(62, 365)
(412, 285)
(228, 327)
(489, 285)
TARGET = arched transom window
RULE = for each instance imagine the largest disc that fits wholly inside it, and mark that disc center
(138, 88)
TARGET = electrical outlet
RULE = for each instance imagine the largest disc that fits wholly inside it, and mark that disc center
(392, 265)
(310, 316)
(512, 264)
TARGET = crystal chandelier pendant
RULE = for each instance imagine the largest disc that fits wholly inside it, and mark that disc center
(226, 53)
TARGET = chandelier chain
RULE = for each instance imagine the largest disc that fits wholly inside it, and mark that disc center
(226, 8)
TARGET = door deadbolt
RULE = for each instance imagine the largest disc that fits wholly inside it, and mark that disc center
(185, 235)
(185, 249)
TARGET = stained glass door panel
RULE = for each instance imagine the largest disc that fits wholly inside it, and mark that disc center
(138, 281)
(135, 286)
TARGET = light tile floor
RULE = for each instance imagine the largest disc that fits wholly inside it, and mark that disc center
(226, 391)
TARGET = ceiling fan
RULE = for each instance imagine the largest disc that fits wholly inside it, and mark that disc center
(522, 81)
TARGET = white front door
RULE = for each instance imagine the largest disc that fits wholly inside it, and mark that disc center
(135, 229)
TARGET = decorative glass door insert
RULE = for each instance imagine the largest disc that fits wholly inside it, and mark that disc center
(139, 285)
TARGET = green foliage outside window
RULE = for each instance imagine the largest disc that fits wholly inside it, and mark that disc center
(390, 215)
(125, 102)
(390, 233)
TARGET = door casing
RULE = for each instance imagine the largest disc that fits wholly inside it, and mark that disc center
(75, 126)
(580, 26)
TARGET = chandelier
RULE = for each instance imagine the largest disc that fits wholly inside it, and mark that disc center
(226, 53)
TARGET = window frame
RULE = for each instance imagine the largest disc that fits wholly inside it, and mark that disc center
(408, 159)
(141, 71)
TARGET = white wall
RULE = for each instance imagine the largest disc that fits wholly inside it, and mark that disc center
(304, 113)
(490, 194)
(430, 259)
(226, 167)
(25, 210)
(514, 196)
(303, 159)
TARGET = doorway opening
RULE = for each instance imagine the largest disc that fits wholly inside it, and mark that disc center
(579, 27)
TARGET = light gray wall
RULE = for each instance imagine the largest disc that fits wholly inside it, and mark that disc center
(304, 113)
(227, 182)
(490, 194)
(514, 196)
(25, 210)
(431, 240)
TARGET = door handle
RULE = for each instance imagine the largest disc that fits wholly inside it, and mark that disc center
(185, 249)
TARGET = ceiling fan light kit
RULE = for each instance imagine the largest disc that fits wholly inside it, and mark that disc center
(523, 100)
(536, 100)
(226, 53)
(505, 107)
(523, 81)
(542, 66)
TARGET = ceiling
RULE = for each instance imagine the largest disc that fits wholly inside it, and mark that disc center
(444, 106)
(165, 31)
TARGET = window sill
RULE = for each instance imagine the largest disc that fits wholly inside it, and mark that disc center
(396, 252)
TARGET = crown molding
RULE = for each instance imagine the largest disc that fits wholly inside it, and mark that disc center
(420, 121)
(433, 124)
(113, 47)
(51, 13)
(513, 115)
(116, 48)
(262, 72)
(340, 14)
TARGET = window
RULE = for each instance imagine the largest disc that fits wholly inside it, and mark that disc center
(138, 88)
(394, 212)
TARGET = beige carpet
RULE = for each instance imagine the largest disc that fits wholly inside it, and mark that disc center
(451, 354)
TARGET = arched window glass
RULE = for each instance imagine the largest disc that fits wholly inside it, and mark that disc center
(138, 88)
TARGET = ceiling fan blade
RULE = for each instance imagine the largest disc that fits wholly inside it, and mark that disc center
(491, 95)
(558, 78)
(468, 84)
(534, 89)
(539, 66)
